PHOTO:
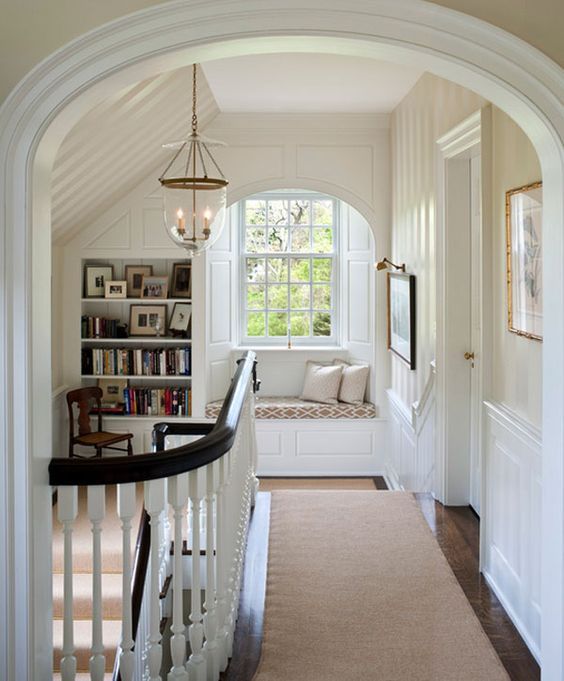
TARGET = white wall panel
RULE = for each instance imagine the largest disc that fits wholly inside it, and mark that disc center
(221, 371)
(116, 236)
(359, 288)
(511, 559)
(343, 443)
(154, 233)
(269, 443)
(220, 302)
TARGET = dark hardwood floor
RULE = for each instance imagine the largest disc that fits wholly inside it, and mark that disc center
(457, 533)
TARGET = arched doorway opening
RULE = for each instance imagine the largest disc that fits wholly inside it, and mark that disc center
(46, 104)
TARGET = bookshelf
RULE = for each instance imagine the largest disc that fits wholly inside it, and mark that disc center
(122, 348)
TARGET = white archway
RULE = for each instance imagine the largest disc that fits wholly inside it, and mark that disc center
(54, 95)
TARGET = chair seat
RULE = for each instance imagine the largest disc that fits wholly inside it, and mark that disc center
(101, 438)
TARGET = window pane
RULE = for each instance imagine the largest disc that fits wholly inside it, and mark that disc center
(277, 212)
(255, 296)
(301, 240)
(277, 323)
(255, 212)
(299, 296)
(255, 269)
(277, 239)
(323, 212)
(299, 212)
(255, 239)
(277, 270)
(321, 324)
(299, 269)
(278, 296)
(255, 324)
(321, 297)
(322, 269)
(299, 323)
(322, 240)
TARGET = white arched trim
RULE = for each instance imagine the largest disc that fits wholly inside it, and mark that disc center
(46, 103)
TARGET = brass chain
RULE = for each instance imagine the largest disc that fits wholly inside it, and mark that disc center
(194, 115)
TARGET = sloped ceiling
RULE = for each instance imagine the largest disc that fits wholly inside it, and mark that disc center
(118, 143)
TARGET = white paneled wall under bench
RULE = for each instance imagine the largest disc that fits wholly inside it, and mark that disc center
(512, 532)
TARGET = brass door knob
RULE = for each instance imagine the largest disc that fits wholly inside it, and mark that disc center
(468, 355)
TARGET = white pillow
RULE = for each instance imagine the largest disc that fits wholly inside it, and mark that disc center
(353, 383)
(321, 383)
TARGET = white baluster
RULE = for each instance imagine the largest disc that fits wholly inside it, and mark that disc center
(197, 663)
(222, 560)
(210, 604)
(154, 503)
(67, 509)
(126, 506)
(178, 498)
(96, 513)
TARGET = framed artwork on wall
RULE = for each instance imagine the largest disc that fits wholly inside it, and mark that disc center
(181, 280)
(523, 225)
(147, 320)
(134, 276)
(95, 277)
(401, 316)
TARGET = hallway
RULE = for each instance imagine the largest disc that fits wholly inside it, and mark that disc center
(457, 532)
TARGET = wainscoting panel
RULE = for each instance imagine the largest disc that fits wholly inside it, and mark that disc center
(321, 447)
(513, 493)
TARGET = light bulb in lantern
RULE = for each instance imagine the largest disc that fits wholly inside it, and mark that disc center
(180, 222)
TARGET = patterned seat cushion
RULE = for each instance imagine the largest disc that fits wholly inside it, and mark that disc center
(294, 408)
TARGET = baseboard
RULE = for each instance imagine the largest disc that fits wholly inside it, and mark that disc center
(513, 617)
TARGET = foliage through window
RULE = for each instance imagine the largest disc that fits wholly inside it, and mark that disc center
(289, 246)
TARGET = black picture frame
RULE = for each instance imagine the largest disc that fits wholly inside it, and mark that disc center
(401, 313)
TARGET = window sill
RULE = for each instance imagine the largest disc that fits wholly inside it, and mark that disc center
(325, 349)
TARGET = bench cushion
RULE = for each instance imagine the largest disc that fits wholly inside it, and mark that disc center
(294, 408)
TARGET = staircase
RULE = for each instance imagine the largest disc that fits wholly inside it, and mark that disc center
(82, 583)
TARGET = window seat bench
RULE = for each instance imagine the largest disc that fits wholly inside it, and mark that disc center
(299, 438)
(291, 408)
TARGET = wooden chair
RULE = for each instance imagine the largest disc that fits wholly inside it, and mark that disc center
(99, 439)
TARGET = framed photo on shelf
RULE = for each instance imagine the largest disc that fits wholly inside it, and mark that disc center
(180, 320)
(134, 277)
(181, 280)
(147, 320)
(523, 224)
(154, 287)
(401, 316)
(116, 289)
(95, 277)
(112, 390)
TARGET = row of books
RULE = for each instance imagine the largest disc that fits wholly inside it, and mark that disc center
(98, 327)
(137, 361)
(158, 401)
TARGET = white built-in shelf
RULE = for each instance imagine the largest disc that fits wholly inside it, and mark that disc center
(147, 378)
(141, 301)
(154, 417)
(143, 340)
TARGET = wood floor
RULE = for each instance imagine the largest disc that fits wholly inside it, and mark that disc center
(457, 532)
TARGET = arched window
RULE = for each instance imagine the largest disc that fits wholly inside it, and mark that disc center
(289, 269)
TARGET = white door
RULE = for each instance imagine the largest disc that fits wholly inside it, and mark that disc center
(475, 331)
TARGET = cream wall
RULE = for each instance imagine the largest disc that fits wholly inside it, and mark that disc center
(429, 110)
(517, 362)
(30, 30)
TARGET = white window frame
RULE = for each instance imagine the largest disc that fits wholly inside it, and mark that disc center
(296, 341)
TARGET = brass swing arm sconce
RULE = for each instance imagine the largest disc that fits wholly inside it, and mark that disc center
(384, 264)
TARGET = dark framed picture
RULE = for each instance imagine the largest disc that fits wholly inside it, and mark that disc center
(147, 320)
(523, 223)
(154, 287)
(95, 277)
(401, 316)
(181, 280)
(180, 320)
(134, 277)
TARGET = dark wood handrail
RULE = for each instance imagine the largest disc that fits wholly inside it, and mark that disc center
(218, 439)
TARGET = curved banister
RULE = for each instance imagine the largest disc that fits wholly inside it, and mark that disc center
(218, 439)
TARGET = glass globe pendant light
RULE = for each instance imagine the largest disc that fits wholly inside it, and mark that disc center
(194, 202)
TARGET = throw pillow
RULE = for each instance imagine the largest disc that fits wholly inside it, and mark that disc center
(353, 383)
(321, 383)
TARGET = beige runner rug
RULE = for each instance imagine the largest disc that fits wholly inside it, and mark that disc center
(358, 589)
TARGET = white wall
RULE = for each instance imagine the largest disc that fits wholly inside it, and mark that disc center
(517, 361)
(429, 110)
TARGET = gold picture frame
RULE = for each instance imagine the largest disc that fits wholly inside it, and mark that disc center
(147, 320)
(134, 276)
(523, 227)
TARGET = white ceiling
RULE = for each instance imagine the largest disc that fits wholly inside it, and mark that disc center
(308, 83)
